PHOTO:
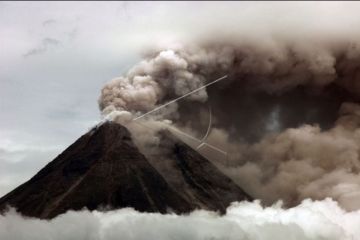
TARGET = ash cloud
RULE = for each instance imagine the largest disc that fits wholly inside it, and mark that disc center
(288, 114)
(300, 163)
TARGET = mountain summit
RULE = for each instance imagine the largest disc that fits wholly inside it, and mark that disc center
(104, 169)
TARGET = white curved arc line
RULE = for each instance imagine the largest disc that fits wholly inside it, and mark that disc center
(202, 141)
(209, 126)
(207, 131)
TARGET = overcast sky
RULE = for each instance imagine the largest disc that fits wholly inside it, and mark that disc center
(56, 56)
(54, 59)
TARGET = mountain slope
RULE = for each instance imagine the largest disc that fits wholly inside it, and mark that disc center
(104, 169)
(201, 183)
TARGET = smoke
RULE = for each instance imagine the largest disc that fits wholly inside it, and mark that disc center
(303, 162)
(147, 83)
(245, 220)
(288, 113)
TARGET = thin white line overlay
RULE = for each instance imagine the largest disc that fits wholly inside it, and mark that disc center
(202, 141)
(177, 99)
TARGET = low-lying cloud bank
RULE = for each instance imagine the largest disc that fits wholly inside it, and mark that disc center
(244, 220)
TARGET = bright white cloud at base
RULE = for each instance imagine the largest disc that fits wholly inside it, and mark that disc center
(244, 220)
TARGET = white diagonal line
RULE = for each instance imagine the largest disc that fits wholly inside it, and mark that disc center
(198, 140)
(187, 135)
(215, 148)
(183, 133)
(176, 99)
(201, 142)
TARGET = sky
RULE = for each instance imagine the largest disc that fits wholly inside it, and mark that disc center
(54, 59)
(56, 56)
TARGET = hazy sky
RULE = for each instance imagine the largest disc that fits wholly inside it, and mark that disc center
(54, 59)
(56, 56)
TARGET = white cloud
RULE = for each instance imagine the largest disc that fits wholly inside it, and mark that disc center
(244, 220)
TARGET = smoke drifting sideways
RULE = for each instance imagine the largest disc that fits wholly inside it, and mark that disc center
(295, 163)
(309, 220)
(288, 114)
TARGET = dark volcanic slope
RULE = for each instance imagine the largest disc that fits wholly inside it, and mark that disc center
(196, 178)
(104, 168)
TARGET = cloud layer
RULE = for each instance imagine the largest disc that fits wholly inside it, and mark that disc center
(244, 220)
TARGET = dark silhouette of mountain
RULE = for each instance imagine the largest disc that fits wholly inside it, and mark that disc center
(104, 169)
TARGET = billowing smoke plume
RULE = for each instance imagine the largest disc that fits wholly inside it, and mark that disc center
(288, 113)
(303, 162)
(292, 165)
(270, 65)
(310, 220)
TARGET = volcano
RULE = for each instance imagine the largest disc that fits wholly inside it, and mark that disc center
(105, 170)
